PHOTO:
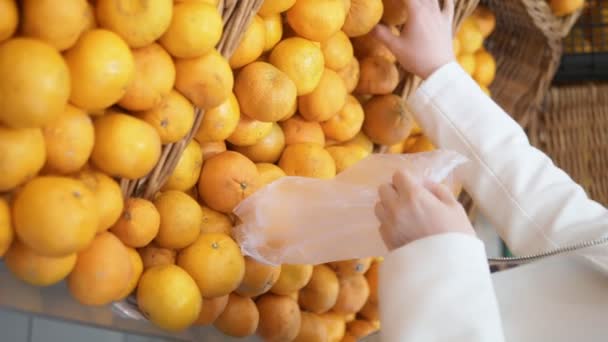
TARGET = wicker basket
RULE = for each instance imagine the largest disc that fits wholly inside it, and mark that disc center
(527, 53)
(236, 14)
(572, 128)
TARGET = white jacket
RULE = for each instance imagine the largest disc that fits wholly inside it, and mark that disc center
(440, 288)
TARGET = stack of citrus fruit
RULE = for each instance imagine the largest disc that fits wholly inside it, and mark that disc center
(469, 49)
(91, 91)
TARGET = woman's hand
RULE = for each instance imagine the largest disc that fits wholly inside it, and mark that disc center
(425, 43)
(409, 211)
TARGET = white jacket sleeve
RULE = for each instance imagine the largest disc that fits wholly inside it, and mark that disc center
(534, 205)
(438, 289)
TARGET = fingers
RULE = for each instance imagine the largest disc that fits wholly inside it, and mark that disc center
(380, 212)
(384, 34)
(388, 194)
(405, 184)
(448, 9)
(441, 192)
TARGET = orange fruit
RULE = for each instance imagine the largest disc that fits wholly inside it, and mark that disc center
(240, 317)
(258, 279)
(210, 2)
(470, 36)
(354, 292)
(307, 160)
(249, 131)
(316, 19)
(68, 140)
(370, 311)
(347, 268)
(387, 120)
(270, 7)
(262, 78)
(172, 118)
(180, 219)
(211, 148)
(273, 25)
(395, 12)
(346, 156)
(378, 75)
(153, 80)
(456, 46)
(196, 27)
(372, 280)
(227, 179)
(101, 68)
(22, 155)
(35, 269)
(467, 62)
(138, 224)
(312, 328)
(362, 17)
(219, 122)
(302, 61)
(168, 296)
(125, 146)
(292, 279)
(188, 169)
(298, 131)
(108, 197)
(362, 141)
(212, 308)
(139, 23)
(360, 329)
(9, 18)
(138, 267)
(207, 80)
(321, 293)
(368, 45)
(486, 90)
(6, 227)
(337, 51)
(215, 262)
(562, 8)
(35, 83)
(267, 150)
(350, 75)
(269, 173)
(335, 325)
(102, 271)
(485, 68)
(251, 45)
(315, 107)
(486, 20)
(280, 318)
(55, 216)
(59, 26)
(215, 222)
(422, 144)
(152, 255)
(347, 123)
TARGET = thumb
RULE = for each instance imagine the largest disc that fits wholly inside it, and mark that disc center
(383, 33)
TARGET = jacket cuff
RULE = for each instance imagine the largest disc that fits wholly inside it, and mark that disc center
(440, 79)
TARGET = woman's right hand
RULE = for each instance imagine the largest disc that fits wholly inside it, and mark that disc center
(425, 43)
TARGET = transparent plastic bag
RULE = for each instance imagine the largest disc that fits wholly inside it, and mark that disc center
(297, 220)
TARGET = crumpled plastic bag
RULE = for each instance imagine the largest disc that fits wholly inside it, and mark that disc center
(297, 220)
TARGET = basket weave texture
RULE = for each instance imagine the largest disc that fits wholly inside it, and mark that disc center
(572, 128)
(527, 54)
(237, 14)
